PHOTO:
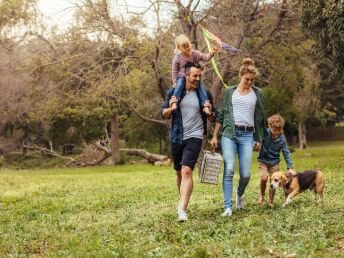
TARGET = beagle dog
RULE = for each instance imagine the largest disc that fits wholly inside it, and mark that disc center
(308, 179)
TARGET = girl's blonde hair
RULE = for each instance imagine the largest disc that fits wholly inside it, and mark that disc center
(248, 67)
(181, 42)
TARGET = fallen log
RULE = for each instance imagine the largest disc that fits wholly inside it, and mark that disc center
(83, 160)
(156, 159)
(152, 158)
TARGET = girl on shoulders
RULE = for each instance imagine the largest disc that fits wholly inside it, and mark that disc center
(184, 55)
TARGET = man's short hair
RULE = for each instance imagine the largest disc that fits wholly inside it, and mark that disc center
(276, 121)
(189, 65)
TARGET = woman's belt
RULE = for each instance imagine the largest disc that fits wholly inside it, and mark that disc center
(246, 128)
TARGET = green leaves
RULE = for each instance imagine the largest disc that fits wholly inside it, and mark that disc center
(324, 21)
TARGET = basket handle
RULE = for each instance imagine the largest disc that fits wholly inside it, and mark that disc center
(213, 151)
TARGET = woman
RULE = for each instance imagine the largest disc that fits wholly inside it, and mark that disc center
(242, 121)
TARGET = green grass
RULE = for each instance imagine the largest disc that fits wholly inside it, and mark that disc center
(130, 211)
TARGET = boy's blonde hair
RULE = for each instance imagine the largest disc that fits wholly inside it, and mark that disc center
(248, 67)
(181, 42)
(276, 121)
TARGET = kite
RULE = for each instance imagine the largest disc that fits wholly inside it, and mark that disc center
(208, 35)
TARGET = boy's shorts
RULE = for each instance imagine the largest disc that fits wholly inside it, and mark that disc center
(267, 169)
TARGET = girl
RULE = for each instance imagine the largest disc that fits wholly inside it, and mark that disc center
(185, 55)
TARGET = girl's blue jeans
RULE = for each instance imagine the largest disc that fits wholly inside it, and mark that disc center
(243, 145)
(180, 85)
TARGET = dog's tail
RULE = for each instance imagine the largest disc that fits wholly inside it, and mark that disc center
(321, 174)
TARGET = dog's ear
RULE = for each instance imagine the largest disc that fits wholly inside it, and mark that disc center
(284, 179)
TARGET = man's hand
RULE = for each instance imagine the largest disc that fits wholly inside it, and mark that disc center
(257, 147)
(292, 171)
(213, 142)
(173, 100)
(208, 105)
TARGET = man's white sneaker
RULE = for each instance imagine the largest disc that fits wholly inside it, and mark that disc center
(182, 216)
(227, 213)
(179, 207)
(239, 202)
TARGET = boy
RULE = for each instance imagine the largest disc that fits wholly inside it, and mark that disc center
(269, 155)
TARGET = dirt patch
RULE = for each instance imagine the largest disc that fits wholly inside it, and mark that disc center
(241, 217)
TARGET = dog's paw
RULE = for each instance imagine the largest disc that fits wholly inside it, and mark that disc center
(287, 201)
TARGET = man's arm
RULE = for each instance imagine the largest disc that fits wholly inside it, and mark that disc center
(165, 111)
(212, 116)
(209, 103)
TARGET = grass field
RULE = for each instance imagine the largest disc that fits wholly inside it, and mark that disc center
(130, 211)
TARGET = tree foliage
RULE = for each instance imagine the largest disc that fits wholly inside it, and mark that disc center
(324, 21)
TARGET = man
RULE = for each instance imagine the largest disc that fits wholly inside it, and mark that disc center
(189, 124)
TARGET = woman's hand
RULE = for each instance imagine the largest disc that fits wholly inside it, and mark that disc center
(213, 142)
(257, 147)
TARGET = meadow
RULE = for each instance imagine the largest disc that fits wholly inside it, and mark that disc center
(131, 211)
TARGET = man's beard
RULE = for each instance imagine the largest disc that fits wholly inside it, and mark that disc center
(195, 84)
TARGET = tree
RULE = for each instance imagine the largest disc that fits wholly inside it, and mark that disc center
(18, 18)
(323, 20)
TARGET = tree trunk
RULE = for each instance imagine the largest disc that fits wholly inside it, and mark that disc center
(114, 139)
(302, 135)
(160, 146)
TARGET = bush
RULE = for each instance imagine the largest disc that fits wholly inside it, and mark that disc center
(123, 158)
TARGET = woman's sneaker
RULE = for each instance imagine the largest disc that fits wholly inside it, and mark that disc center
(239, 202)
(227, 213)
(182, 216)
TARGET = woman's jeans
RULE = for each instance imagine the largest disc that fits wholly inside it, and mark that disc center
(180, 85)
(243, 145)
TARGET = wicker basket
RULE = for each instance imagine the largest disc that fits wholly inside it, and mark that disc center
(209, 167)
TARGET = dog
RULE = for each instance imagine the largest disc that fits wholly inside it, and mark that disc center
(308, 179)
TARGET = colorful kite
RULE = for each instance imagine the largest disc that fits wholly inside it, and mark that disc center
(208, 35)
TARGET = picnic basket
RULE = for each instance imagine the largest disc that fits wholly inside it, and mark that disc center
(209, 167)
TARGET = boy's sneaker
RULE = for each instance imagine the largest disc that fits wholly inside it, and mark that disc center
(182, 216)
(179, 207)
(239, 201)
(227, 213)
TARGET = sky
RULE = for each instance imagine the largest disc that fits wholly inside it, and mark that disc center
(57, 12)
(60, 12)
